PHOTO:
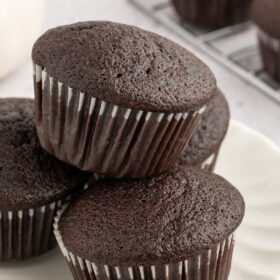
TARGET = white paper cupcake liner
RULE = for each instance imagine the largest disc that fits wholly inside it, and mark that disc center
(210, 163)
(27, 233)
(213, 264)
(101, 137)
(270, 50)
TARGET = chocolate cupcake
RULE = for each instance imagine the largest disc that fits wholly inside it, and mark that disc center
(213, 13)
(177, 225)
(204, 146)
(266, 16)
(115, 99)
(33, 184)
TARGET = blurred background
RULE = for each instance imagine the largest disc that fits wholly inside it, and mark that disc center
(21, 22)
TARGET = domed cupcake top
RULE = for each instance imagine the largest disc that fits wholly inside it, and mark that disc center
(266, 15)
(16, 115)
(210, 132)
(126, 66)
(151, 221)
(29, 176)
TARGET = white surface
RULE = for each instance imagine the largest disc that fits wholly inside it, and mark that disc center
(251, 162)
(20, 25)
(257, 254)
(247, 104)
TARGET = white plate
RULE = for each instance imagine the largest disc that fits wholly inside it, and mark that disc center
(252, 163)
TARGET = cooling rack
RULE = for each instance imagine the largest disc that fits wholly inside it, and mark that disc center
(235, 47)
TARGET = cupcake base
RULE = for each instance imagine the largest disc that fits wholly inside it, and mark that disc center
(270, 50)
(27, 233)
(213, 264)
(213, 13)
(101, 137)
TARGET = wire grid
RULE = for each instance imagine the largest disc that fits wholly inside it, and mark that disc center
(235, 47)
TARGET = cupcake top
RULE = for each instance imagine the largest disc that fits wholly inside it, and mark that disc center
(160, 220)
(29, 176)
(210, 132)
(126, 66)
(265, 13)
(16, 115)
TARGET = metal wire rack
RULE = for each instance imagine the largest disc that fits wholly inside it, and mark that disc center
(235, 47)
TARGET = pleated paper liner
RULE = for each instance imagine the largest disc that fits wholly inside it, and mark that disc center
(27, 233)
(213, 264)
(270, 49)
(210, 163)
(101, 137)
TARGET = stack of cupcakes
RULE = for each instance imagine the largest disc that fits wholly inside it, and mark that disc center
(122, 103)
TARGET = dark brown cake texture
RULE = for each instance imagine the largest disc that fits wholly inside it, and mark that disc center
(206, 141)
(117, 98)
(179, 216)
(32, 184)
(266, 16)
(213, 13)
(125, 65)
